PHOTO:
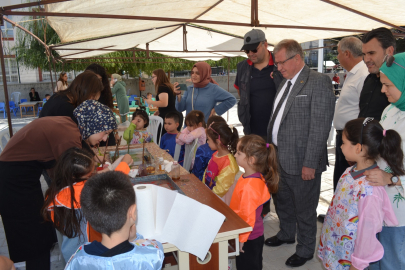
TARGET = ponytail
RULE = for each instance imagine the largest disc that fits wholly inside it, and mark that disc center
(233, 142)
(229, 137)
(390, 150)
(271, 174)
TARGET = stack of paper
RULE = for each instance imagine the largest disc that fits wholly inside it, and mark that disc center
(168, 216)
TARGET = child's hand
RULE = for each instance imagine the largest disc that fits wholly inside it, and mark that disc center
(127, 159)
(352, 267)
(178, 135)
(132, 233)
(241, 246)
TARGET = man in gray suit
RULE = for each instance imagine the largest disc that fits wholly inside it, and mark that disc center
(299, 128)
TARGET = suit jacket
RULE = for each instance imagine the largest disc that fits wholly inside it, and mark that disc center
(305, 123)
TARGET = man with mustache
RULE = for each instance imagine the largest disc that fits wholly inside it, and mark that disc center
(377, 44)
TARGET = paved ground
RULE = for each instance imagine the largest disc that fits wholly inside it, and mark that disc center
(273, 258)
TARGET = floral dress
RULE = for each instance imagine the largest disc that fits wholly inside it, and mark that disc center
(355, 215)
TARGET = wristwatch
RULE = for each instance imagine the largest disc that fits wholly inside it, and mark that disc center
(394, 180)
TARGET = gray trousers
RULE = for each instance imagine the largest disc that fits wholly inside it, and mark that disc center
(296, 202)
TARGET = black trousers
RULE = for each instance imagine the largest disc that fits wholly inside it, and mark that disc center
(340, 161)
(252, 258)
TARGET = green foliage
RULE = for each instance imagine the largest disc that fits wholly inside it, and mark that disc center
(32, 54)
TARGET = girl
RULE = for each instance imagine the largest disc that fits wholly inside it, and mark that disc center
(222, 168)
(252, 190)
(62, 83)
(62, 203)
(195, 129)
(136, 133)
(358, 210)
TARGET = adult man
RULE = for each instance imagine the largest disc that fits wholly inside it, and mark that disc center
(350, 57)
(299, 128)
(377, 44)
(256, 81)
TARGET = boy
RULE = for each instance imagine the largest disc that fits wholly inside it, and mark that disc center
(108, 204)
(148, 96)
(168, 140)
(136, 133)
(47, 97)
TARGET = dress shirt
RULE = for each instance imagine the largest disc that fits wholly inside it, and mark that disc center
(277, 122)
(347, 107)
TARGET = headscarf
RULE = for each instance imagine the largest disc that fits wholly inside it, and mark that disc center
(116, 76)
(94, 117)
(205, 75)
(396, 74)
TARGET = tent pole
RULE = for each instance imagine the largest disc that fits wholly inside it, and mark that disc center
(50, 71)
(227, 112)
(184, 38)
(3, 71)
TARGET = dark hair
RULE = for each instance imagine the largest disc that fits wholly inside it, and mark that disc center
(194, 118)
(105, 201)
(47, 95)
(32, 88)
(61, 78)
(174, 116)
(266, 159)
(216, 119)
(70, 168)
(84, 87)
(388, 146)
(228, 136)
(383, 35)
(161, 80)
(149, 94)
(142, 114)
(106, 94)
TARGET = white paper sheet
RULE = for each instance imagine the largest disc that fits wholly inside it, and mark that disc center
(189, 225)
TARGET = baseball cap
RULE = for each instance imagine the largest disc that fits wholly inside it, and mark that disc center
(252, 39)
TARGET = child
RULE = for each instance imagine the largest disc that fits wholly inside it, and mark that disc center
(108, 204)
(222, 168)
(252, 190)
(47, 97)
(148, 96)
(62, 203)
(168, 140)
(204, 152)
(136, 133)
(358, 210)
(195, 129)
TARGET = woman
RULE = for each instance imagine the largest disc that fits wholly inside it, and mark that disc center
(165, 97)
(204, 94)
(392, 75)
(62, 82)
(34, 148)
(86, 86)
(34, 96)
(120, 92)
(105, 96)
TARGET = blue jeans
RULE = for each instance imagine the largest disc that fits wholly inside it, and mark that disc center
(393, 241)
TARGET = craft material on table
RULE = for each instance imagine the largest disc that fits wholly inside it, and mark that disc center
(168, 216)
(136, 154)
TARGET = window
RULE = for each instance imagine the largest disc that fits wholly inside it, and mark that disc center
(7, 29)
(11, 70)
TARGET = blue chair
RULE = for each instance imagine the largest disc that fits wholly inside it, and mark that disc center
(13, 108)
(133, 96)
(22, 101)
(3, 108)
(130, 99)
(43, 103)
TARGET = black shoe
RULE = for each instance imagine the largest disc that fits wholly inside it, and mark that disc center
(296, 261)
(275, 242)
(321, 218)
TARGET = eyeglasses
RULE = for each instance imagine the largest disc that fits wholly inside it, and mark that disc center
(253, 51)
(365, 122)
(282, 62)
(390, 59)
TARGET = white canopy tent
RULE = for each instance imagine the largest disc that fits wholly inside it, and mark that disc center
(300, 20)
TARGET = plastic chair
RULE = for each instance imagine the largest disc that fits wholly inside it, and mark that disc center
(134, 96)
(22, 101)
(16, 97)
(155, 127)
(130, 99)
(5, 135)
(13, 108)
(133, 104)
(3, 108)
(189, 154)
(177, 152)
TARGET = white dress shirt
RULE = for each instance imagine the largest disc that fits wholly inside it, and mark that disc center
(347, 107)
(281, 111)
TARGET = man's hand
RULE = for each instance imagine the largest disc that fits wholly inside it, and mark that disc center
(212, 112)
(378, 177)
(308, 173)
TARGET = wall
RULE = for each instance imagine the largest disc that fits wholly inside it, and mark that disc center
(131, 84)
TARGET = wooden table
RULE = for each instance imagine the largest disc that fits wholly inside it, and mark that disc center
(26, 105)
(229, 231)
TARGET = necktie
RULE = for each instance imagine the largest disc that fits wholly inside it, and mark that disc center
(280, 103)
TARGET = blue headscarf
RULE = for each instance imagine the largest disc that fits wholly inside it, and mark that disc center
(94, 117)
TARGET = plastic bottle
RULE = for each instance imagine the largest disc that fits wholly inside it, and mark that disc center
(175, 171)
(161, 165)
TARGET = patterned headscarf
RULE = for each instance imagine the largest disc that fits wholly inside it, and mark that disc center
(94, 117)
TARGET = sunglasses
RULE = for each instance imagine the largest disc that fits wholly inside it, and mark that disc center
(253, 51)
(390, 60)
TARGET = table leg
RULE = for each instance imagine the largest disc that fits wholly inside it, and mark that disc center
(21, 111)
(223, 254)
(184, 260)
(33, 109)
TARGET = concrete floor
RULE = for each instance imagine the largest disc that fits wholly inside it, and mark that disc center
(273, 257)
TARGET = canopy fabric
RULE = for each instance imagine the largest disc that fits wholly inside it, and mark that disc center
(313, 13)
